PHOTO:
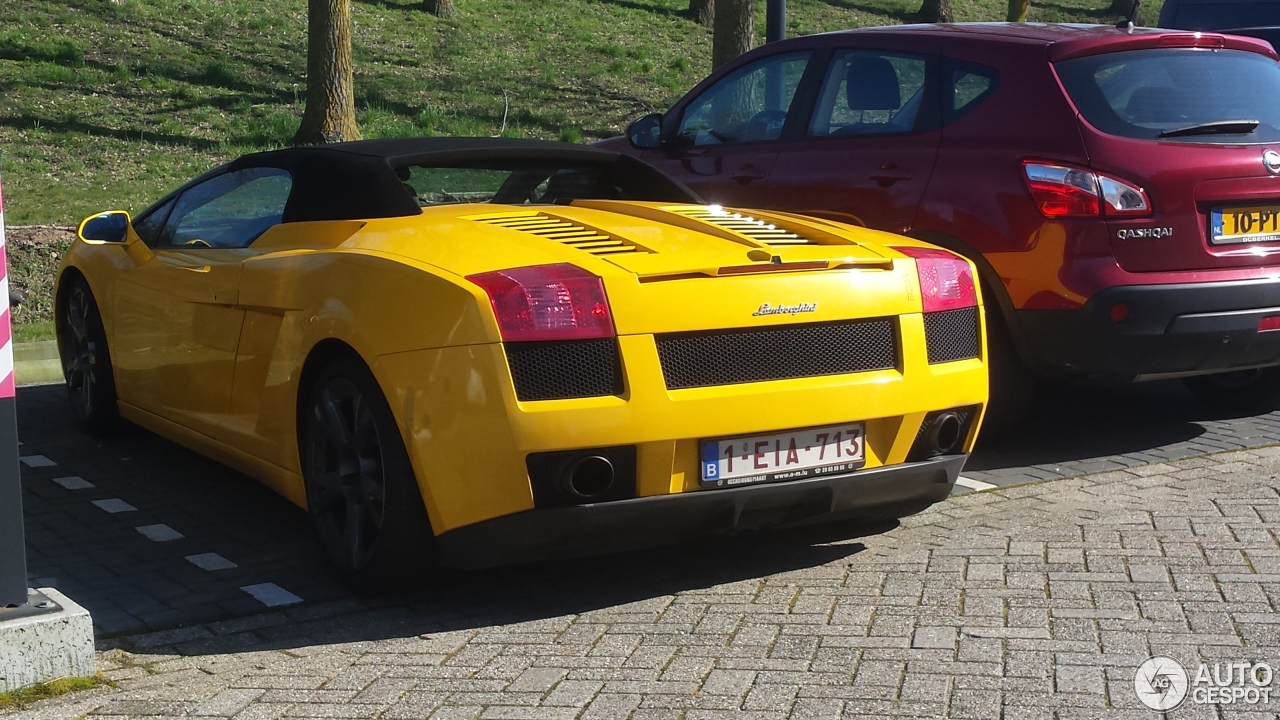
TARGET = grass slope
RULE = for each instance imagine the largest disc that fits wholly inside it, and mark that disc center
(109, 103)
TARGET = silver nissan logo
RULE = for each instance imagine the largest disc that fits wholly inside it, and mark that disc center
(1271, 159)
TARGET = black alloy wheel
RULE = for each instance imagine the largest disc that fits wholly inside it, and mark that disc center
(86, 362)
(348, 488)
(361, 492)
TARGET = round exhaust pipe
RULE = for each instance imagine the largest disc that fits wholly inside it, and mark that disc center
(589, 477)
(944, 434)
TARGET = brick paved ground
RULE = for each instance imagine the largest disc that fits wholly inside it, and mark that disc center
(205, 544)
(129, 581)
(1036, 601)
(1020, 598)
(1072, 431)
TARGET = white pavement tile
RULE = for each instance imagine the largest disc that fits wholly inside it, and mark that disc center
(211, 561)
(973, 484)
(159, 533)
(114, 505)
(75, 482)
(271, 595)
(36, 461)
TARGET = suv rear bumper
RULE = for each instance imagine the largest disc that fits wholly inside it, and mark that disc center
(656, 520)
(1169, 330)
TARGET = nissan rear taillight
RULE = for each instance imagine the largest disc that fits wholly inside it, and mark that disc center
(545, 303)
(946, 279)
(1062, 191)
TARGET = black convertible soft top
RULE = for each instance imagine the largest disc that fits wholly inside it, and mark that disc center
(358, 180)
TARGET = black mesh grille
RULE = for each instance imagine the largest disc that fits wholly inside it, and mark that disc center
(562, 370)
(740, 356)
(951, 334)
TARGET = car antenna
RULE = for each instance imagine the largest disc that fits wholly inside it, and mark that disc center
(1127, 23)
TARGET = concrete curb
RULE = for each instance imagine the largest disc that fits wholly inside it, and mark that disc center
(40, 648)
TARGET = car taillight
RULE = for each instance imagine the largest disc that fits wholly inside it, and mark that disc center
(547, 302)
(1193, 39)
(1121, 198)
(1064, 191)
(946, 279)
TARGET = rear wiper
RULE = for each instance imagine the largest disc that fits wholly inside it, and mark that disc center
(1217, 127)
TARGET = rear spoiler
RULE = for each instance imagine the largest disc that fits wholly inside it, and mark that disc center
(1149, 39)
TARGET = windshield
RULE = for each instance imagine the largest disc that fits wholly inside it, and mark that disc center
(514, 182)
(1224, 16)
(1155, 93)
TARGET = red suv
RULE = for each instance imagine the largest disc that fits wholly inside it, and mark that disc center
(1118, 188)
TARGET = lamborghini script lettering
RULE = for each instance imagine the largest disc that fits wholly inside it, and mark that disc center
(767, 309)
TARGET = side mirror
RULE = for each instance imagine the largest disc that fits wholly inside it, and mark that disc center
(111, 226)
(646, 133)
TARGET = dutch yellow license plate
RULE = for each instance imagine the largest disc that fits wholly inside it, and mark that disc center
(1245, 224)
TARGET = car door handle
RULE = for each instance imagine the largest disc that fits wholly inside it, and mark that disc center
(746, 175)
(886, 180)
(890, 173)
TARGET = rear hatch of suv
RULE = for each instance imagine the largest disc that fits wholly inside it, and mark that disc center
(1194, 121)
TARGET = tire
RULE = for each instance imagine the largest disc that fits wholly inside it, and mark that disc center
(86, 361)
(1249, 390)
(1012, 383)
(361, 492)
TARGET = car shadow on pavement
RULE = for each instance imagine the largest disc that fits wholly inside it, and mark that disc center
(168, 549)
(542, 597)
(1125, 426)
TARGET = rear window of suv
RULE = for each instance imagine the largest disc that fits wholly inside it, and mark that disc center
(1220, 15)
(1147, 93)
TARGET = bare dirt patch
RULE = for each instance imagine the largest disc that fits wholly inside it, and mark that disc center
(33, 254)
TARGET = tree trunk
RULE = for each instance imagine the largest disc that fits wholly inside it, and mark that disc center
(936, 11)
(439, 8)
(703, 11)
(330, 115)
(734, 30)
(1017, 10)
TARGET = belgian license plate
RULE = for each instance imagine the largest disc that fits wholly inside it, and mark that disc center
(790, 455)
(1244, 224)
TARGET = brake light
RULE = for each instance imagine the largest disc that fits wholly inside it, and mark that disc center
(946, 279)
(547, 302)
(1195, 39)
(1064, 191)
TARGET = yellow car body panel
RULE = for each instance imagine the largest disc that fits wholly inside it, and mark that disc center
(208, 345)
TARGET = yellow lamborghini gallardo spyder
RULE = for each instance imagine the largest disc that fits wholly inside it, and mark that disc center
(480, 351)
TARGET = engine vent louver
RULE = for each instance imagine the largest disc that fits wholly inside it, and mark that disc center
(758, 230)
(564, 232)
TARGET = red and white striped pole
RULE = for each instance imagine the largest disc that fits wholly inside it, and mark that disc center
(13, 544)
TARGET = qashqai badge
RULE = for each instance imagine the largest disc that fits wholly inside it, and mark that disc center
(1271, 159)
